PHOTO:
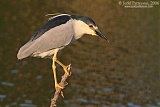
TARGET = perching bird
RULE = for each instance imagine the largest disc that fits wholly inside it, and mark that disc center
(60, 31)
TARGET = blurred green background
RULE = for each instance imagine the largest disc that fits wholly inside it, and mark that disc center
(122, 73)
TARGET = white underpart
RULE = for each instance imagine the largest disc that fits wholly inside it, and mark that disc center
(47, 54)
(44, 54)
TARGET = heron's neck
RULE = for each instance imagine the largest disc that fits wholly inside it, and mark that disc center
(79, 28)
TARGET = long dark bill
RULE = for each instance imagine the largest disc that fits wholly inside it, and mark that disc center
(99, 33)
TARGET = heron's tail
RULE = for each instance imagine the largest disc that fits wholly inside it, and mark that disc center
(25, 51)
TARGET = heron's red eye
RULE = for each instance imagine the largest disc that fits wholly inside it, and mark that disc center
(90, 25)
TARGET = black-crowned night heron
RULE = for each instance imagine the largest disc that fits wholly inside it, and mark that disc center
(60, 31)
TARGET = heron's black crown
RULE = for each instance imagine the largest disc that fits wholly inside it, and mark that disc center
(85, 19)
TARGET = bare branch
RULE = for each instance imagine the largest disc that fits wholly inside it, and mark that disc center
(63, 83)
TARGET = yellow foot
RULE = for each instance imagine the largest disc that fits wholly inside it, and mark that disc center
(65, 68)
(58, 86)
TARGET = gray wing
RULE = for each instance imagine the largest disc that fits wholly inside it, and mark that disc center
(53, 22)
(56, 37)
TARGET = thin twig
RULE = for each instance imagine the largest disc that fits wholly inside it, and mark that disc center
(63, 83)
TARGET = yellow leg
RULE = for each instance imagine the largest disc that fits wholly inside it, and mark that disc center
(55, 77)
(62, 65)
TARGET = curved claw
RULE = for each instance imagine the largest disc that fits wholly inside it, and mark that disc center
(58, 86)
(62, 94)
(67, 69)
